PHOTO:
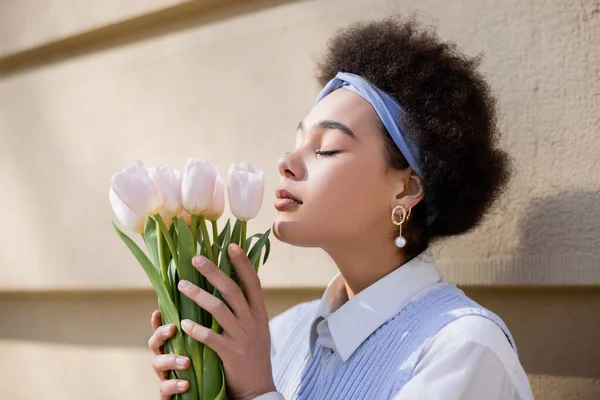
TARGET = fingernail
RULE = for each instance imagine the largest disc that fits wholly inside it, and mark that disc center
(186, 324)
(181, 385)
(199, 261)
(181, 362)
(184, 284)
(235, 249)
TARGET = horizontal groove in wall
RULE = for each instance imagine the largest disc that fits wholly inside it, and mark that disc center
(179, 17)
(285, 290)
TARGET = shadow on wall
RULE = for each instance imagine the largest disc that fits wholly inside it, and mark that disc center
(556, 328)
(559, 241)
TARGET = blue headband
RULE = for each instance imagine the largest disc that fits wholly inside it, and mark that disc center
(390, 113)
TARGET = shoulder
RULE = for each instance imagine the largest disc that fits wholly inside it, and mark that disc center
(471, 330)
(479, 344)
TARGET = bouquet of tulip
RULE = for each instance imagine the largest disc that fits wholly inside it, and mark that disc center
(170, 211)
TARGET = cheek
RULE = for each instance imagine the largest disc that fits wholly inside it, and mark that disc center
(346, 197)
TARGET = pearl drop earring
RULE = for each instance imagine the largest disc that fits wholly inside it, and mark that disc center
(400, 240)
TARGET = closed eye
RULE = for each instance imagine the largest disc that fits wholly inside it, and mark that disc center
(327, 153)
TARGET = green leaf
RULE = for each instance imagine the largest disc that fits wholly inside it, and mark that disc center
(223, 393)
(213, 375)
(237, 230)
(251, 239)
(256, 250)
(224, 232)
(150, 238)
(170, 315)
(206, 318)
(225, 263)
(267, 250)
(189, 310)
(174, 280)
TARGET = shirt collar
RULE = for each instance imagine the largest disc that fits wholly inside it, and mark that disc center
(352, 321)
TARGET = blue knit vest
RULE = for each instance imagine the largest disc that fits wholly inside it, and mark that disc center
(381, 365)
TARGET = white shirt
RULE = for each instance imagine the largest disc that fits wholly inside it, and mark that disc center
(468, 359)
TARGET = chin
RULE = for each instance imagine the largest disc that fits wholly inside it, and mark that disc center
(295, 233)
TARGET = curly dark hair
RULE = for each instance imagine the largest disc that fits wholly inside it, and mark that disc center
(450, 115)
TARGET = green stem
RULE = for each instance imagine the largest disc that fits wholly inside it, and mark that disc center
(164, 266)
(215, 245)
(243, 226)
(215, 230)
(194, 229)
(206, 240)
(167, 235)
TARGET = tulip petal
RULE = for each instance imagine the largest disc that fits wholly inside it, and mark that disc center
(169, 186)
(246, 190)
(135, 188)
(197, 186)
(128, 218)
(217, 205)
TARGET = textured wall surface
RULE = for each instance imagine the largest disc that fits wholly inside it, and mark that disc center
(86, 88)
(234, 88)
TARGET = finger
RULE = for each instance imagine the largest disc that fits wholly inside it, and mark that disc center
(160, 337)
(229, 289)
(248, 276)
(156, 320)
(172, 386)
(205, 335)
(169, 362)
(217, 308)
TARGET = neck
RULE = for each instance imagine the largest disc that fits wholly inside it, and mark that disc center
(365, 261)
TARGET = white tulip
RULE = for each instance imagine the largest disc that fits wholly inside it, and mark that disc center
(246, 188)
(134, 187)
(129, 219)
(198, 185)
(169, 186)
(217, 205)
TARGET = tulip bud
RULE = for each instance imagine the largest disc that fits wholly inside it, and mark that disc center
(134, 187)
(129, 219)
(217, 205)
(198, 185)
(169, 186)
(246, 188)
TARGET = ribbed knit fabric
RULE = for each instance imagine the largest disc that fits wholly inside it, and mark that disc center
(380, 366)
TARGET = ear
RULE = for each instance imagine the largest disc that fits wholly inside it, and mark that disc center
(409, 190)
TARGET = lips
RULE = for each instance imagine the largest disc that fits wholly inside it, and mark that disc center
(286, 201)
(285, 194)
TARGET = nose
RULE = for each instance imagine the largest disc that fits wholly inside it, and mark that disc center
(291, 167)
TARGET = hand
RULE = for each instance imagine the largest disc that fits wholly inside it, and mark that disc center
(244, 346)
(163, 363)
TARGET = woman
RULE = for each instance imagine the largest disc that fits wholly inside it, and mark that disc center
(400, 150)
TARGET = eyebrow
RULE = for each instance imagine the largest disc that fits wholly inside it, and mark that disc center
(328, 124)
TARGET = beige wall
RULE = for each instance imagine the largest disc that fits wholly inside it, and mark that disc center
(87, 87)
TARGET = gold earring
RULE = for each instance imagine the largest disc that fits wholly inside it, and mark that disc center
(400, 240)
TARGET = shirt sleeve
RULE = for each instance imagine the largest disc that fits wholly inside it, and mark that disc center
(270, 396)
(471, 360)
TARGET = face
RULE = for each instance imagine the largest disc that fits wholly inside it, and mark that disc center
(335, 187)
